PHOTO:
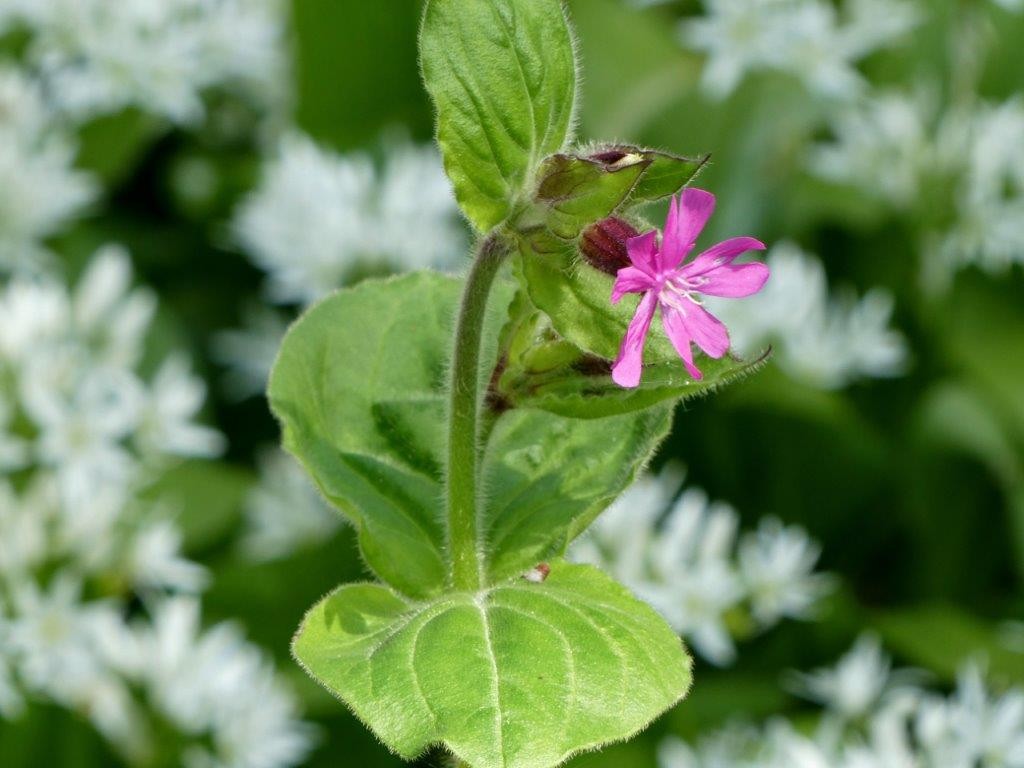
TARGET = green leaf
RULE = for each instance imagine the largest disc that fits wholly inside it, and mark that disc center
(666, 175)
(547, 478)
(358, 388)
(574, 192)
(584, 389)
(502, 74)
(521, 675)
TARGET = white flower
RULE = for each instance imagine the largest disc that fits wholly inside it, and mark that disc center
(805, 38)
(734, 746)
(777, 566)
(249, 352)
(824, 341)
(166, 423)
(81, 432)
(155, 560)
(697, 583)
(678, 552)
(418, 223)
(882, 145)
(24, 520)
(988, 230)
(903, 149)
(217, 685)
(623, 536)
(855, 685)
(40, 190)
(54, 637)
(884, 726)
(69, 361)
(109, 316)
(982, 729)
(284, 511)
(160, 55)
(318, 216)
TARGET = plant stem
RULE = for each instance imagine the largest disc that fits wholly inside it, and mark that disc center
(463, 416)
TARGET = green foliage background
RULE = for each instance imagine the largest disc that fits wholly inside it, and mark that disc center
(914, 486)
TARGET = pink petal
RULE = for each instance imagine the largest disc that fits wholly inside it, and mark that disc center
(631, 280)
(722, 253)
(734, 281)
(643, 252)
(628, 365)
(676, 331)
(696, 323)
(687, 216)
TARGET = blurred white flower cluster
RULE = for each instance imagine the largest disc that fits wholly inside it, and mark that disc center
(827, 341)
(319, 219)
(40, 191)
(680, 553)
(902, 148)
(83, 433)
(874, 718)
(74, 403)
(96, 57)
(284, 511)
(808, 39)
(318, 216)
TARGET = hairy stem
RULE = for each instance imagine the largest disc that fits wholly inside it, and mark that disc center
(464, 415)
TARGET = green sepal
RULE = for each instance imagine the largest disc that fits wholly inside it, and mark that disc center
(582, 388)
(574, 191)
(666, 175)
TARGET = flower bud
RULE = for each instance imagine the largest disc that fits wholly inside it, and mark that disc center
(538, 574)
(604, 244)
(612, 155)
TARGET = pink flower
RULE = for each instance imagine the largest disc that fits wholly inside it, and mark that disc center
(659, 274)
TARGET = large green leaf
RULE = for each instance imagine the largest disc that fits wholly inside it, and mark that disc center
(358, 388)
(521, 675)
(502, 74)
(547, 477)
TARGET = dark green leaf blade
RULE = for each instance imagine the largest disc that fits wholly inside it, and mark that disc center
(548, 477)
(502, 75)
(358, 389)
